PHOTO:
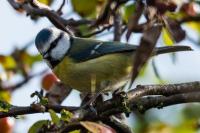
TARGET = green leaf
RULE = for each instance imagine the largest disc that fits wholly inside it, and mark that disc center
(128, 10)
(191, 112)
(167, 37)
(4, 106)
(54, 116)
(44, 101)
(36, 126)
(36, 93)
(66, 115)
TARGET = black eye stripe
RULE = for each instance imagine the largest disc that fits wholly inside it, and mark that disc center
(54, 43)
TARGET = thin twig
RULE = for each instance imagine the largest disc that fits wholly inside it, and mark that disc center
(52, 15)
(98, 31)
(117, 26)
(25, 81)
(59, 11)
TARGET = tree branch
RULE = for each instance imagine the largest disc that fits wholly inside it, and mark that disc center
(189, 19)
(152, 90)
(117, 26)
(52, 15)
(98, 31)
(59, 11)
(142, 98)
(143, 104)
(17, 110)
(165, 90)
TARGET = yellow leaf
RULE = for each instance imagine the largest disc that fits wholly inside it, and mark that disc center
(75, 131)
(84, 8)
(29, 59)
(5, 96)
(128, 10)
(7, 62)
(188, 126)
(143, 70)
(159, 128)
(96, 127)
(46, 2)
(167, 39)
(194, 25)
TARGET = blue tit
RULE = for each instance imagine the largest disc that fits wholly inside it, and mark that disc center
(89, 65)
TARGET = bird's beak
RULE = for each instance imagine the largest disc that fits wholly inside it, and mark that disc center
(45, 56)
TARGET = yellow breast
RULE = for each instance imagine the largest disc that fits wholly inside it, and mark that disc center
(96, 73)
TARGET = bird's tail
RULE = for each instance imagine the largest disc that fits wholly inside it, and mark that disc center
(170, 49)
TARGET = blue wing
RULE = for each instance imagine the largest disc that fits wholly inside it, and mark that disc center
(90, 49)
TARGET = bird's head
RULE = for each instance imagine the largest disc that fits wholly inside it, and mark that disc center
(53, 44)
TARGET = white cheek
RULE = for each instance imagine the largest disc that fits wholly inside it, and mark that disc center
(61, 49)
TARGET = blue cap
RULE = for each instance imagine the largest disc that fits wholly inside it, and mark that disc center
(42, 37)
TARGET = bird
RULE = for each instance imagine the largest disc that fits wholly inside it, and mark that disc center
(89, 65)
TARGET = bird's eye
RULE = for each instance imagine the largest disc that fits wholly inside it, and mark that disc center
(53, 45)
(55, 42)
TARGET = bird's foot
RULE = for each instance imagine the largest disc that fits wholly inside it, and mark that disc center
(119, 91)
(91, 101)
